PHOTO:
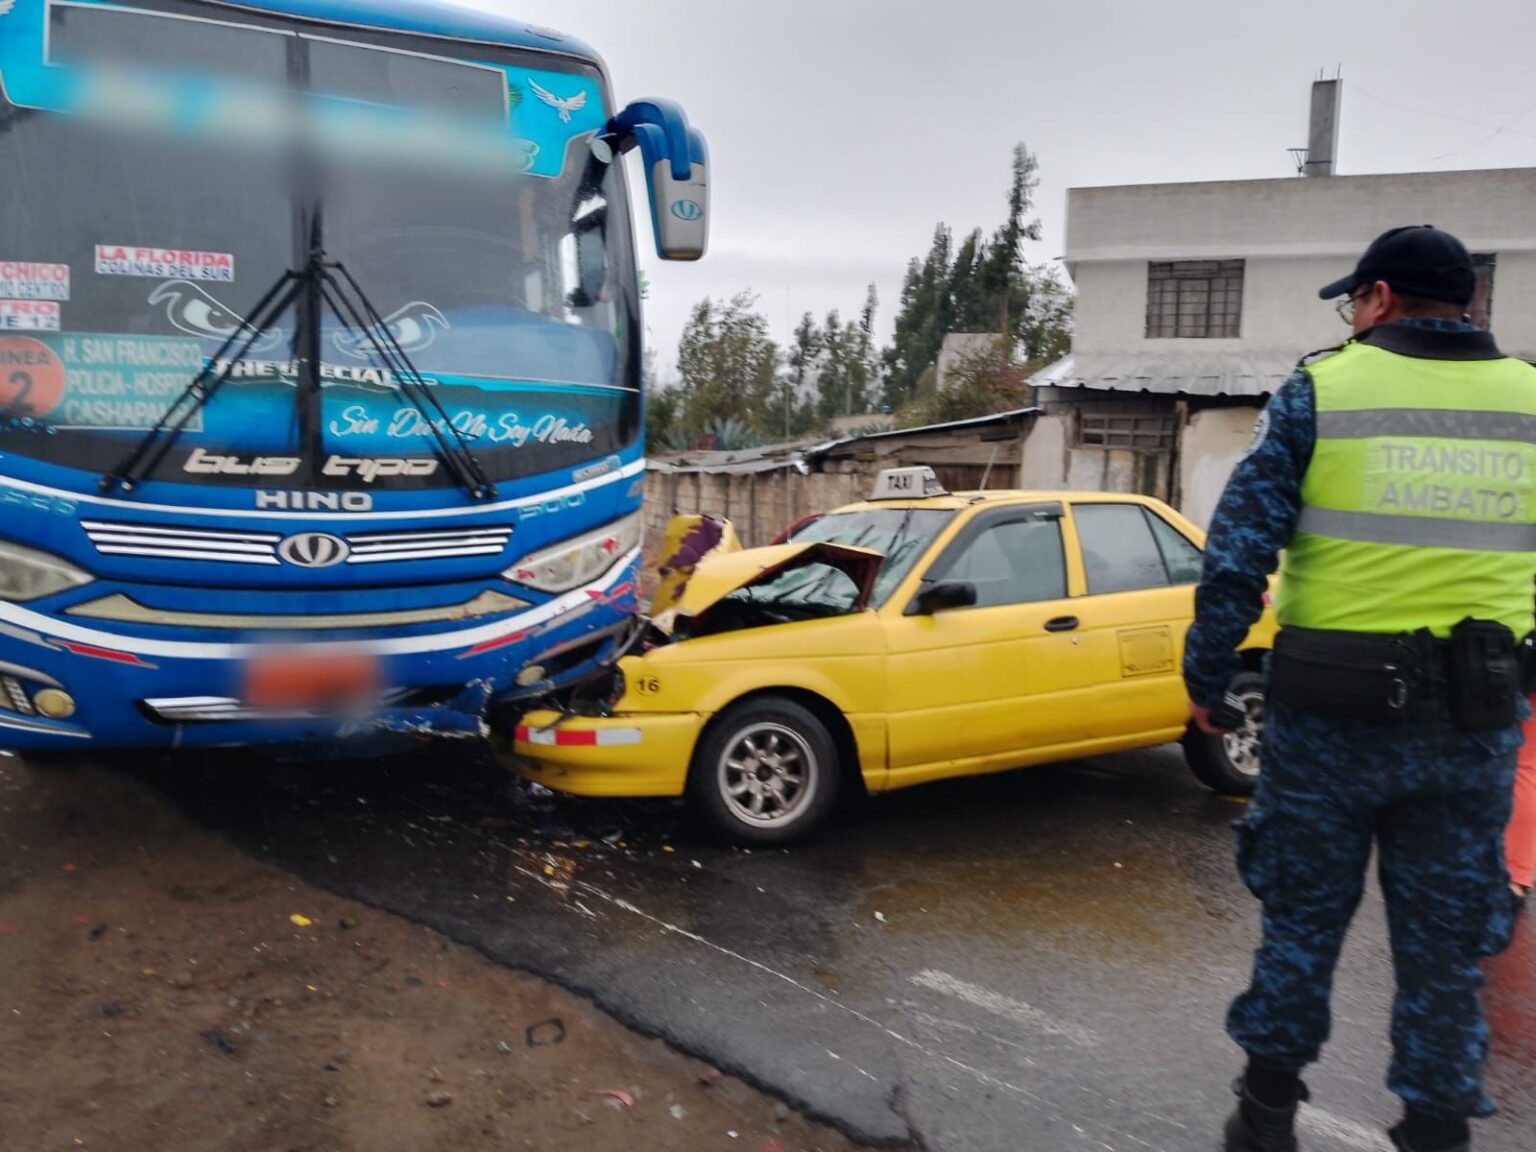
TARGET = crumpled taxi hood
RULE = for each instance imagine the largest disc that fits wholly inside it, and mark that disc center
(718, 576)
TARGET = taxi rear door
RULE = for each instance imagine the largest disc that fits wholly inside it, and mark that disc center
(1140, 573)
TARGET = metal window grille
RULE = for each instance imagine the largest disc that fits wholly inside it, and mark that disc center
(1119, 430)
(1481, 309)
(1198, 299)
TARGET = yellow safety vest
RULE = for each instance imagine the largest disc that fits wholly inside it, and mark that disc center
(1419, 505)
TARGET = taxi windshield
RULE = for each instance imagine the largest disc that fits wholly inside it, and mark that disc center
(901, 535)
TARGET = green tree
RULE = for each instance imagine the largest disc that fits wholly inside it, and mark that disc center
(986, 286)
(727, 365)
(866, 359)
(663, 411)
(832, 376)
(801, 360)
(925, 316)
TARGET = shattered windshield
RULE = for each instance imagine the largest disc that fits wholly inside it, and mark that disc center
(901, 535)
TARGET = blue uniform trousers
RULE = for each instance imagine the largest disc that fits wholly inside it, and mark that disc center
(1435, 802)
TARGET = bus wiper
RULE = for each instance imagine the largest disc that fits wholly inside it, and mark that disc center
(145, 456)
(356, 309)
(359, 311)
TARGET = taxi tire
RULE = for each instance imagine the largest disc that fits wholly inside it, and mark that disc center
(704, 792)
(1207, 755)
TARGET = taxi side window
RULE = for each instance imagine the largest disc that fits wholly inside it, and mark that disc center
(1012, 562)
(1183, 559)
(1120, 554)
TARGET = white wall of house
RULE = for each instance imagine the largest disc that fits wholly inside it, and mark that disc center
(1295, 235)
(1212, 443)
(1043, 465)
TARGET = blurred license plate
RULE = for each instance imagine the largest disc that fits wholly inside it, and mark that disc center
(298, 681)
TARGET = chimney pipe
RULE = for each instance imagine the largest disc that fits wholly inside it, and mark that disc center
(1323, 128)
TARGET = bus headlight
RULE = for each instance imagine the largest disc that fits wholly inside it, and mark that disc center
(26, 573)
(572, 563)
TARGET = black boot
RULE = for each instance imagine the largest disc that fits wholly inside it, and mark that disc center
(1257, 1127)
(1418, 1133)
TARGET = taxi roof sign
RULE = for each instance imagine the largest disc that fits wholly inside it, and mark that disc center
(907, 484)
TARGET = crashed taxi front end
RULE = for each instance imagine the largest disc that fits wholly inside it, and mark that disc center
(709, 639)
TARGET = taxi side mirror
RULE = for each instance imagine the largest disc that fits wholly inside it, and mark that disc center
(941, 596)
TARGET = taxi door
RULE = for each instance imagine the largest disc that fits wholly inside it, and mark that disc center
(1140, 574)
(970, 687)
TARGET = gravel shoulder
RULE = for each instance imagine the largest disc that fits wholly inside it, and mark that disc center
(160, 989)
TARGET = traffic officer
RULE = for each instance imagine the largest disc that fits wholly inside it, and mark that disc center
(1398, 476)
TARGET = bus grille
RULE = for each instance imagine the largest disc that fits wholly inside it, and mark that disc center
(228, 547)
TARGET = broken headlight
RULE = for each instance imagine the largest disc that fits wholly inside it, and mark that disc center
(26, 573)
(572, 563)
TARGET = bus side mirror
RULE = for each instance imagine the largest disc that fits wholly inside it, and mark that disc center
(676, 173)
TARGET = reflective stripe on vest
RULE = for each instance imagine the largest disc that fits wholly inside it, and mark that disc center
(1419, 505)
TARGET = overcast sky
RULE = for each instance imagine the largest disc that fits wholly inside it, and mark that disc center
(841, 131)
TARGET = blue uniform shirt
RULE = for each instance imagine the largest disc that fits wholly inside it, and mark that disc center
(1254, 522)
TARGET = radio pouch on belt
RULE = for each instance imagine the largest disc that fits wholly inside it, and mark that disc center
(1484, 676)
(1343, 676)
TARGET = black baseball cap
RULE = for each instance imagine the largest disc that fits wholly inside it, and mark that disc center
(1417, 260)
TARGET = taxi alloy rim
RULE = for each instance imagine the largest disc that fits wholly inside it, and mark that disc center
(767, 775)
(1242, 745)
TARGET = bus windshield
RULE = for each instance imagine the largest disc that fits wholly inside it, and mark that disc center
(129, 255)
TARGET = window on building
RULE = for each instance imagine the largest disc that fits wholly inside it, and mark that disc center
(1013, 562)
(1197, 299)
(1153, 432)
(1120, 553)
(1481, 309)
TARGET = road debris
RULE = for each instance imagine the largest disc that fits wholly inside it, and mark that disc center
(220, 1042)
(439, 1099)
(709, 1077)
(616, 1097)
(677, 1112)
(300, 920)
(546, 1032)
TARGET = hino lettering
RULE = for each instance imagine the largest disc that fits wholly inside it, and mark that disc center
(369, 470)
(210, 464)
(297, 501)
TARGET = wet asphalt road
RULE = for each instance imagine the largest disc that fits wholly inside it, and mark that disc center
(1034, 961)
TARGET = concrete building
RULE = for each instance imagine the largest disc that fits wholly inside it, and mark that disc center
(1194, 302)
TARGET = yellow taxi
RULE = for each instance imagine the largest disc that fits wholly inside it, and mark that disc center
(914, 637)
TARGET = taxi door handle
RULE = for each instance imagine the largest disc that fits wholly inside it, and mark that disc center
(1061, 624)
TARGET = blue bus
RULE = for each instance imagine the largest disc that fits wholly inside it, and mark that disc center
(320, 368)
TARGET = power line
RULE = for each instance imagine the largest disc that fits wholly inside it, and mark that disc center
(1499, 131)
(1496, 128)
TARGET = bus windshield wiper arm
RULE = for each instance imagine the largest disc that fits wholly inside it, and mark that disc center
(359, 311)
(146, 454)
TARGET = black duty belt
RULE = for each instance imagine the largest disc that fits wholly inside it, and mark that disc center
(1394, 678)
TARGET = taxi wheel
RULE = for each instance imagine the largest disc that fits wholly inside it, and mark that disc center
(1229, 763)
(766, 772)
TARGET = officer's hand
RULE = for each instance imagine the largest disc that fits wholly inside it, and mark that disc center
(1202, 719)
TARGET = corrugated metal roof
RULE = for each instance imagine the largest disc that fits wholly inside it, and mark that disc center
(774, 457)
(1012, 414)
(1246, 374)
(769, 458)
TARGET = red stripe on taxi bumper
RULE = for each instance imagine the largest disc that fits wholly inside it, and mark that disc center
(576, 738)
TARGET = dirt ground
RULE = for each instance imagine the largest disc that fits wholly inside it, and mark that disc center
(162, 992)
